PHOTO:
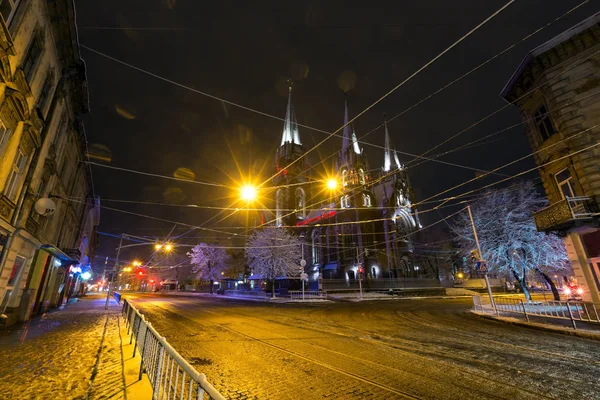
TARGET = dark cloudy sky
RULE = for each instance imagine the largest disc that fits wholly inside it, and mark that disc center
(245, 51)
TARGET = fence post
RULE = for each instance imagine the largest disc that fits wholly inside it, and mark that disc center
(143, 352)
(524, 310)
(571, 316)
(158, 372)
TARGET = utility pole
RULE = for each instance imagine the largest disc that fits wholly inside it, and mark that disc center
(112, 278)
(487, 280)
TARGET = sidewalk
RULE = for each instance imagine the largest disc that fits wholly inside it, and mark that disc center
(585, 330)
(80, 352)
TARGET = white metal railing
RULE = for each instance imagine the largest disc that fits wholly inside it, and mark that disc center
(307, 294)
(580, 207)
(566, 310)
(171, 376)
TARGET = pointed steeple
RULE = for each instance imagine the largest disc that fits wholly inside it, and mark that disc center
(355, 142)
(345, 132)
(387, 157)
(290, 126)
(389, 151)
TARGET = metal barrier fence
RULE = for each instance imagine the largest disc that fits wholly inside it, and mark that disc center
(171, 376)
(565, 310)
(307, 294)
(383, 283)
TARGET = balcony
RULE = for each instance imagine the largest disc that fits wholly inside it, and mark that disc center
(566, 214)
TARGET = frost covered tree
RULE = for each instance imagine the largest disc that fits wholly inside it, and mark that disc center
(208, 262)
(273, 253)
(509, 240)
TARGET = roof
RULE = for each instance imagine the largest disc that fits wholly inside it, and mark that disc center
(555, 41)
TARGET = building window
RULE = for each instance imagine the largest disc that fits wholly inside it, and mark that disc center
(366, 200)
(345, 178)
(278, 207)
(316, 247)
(7, 9)
(15, 175)
(46, 90)
(361, 176)
(564, 181)
(4, 136)
(300, 203)
(345, 201)
(544, 123)
(33, 56)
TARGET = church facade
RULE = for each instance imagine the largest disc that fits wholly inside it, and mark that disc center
(362, 227)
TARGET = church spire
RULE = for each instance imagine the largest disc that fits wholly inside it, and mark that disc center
(345, 132)
(389, 151)
(290, 126)
(355, 142)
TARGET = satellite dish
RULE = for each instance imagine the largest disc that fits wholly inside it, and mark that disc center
(45, 206)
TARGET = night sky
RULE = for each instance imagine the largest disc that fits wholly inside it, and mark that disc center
(246, 51)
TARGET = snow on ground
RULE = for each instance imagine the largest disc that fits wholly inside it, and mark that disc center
(53, 356)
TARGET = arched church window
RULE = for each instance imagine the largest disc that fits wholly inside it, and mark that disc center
(279, 207)
(300, 203)
(345, 178)
(361, 176)
(366, 200)
(316, 246)
(345, 201)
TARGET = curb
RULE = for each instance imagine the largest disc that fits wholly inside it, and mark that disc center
(540, 327)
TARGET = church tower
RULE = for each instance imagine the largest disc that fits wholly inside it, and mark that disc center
(400, 215)
(292, 180)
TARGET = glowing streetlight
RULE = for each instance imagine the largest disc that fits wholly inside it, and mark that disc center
(248, 192)
(332, 184)
(136, 263)
(168, 247)
(158, 246)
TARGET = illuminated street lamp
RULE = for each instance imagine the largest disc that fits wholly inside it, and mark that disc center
(332, 184)
(136, 263)
(248, 193)
(158, 246)
(168, 247)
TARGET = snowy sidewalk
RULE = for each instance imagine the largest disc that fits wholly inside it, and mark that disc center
(80, 352)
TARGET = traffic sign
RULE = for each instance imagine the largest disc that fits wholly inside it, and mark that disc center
(304, 276)
(481, 266)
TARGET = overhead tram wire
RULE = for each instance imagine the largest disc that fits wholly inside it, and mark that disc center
(158, 175)
(329, 136)
(309, 127)
(450, 84)
(579, 59)
(546, 148)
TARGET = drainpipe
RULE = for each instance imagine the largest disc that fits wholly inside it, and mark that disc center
(28, 179)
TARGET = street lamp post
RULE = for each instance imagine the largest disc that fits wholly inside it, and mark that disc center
(487, 280)
(112, 278)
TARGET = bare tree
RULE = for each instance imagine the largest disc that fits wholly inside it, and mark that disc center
(208, 262)
(273, 253)
(509, 240)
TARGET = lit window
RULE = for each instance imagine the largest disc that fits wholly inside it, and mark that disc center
(279, 207)
(366, 200)
(345, 178)
(361, 176)
(300, 206)
(14, 177)
(345, 201)
(564, 181)
(543, 122)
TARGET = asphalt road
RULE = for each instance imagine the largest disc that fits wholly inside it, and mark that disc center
(403, 349)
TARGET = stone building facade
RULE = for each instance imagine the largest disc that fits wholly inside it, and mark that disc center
(42, 95)
(363, 226)
(557, 89)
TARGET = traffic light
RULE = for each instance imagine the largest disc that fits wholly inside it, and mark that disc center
(140, 273)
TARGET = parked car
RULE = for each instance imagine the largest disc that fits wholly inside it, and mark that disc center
(573, 292)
